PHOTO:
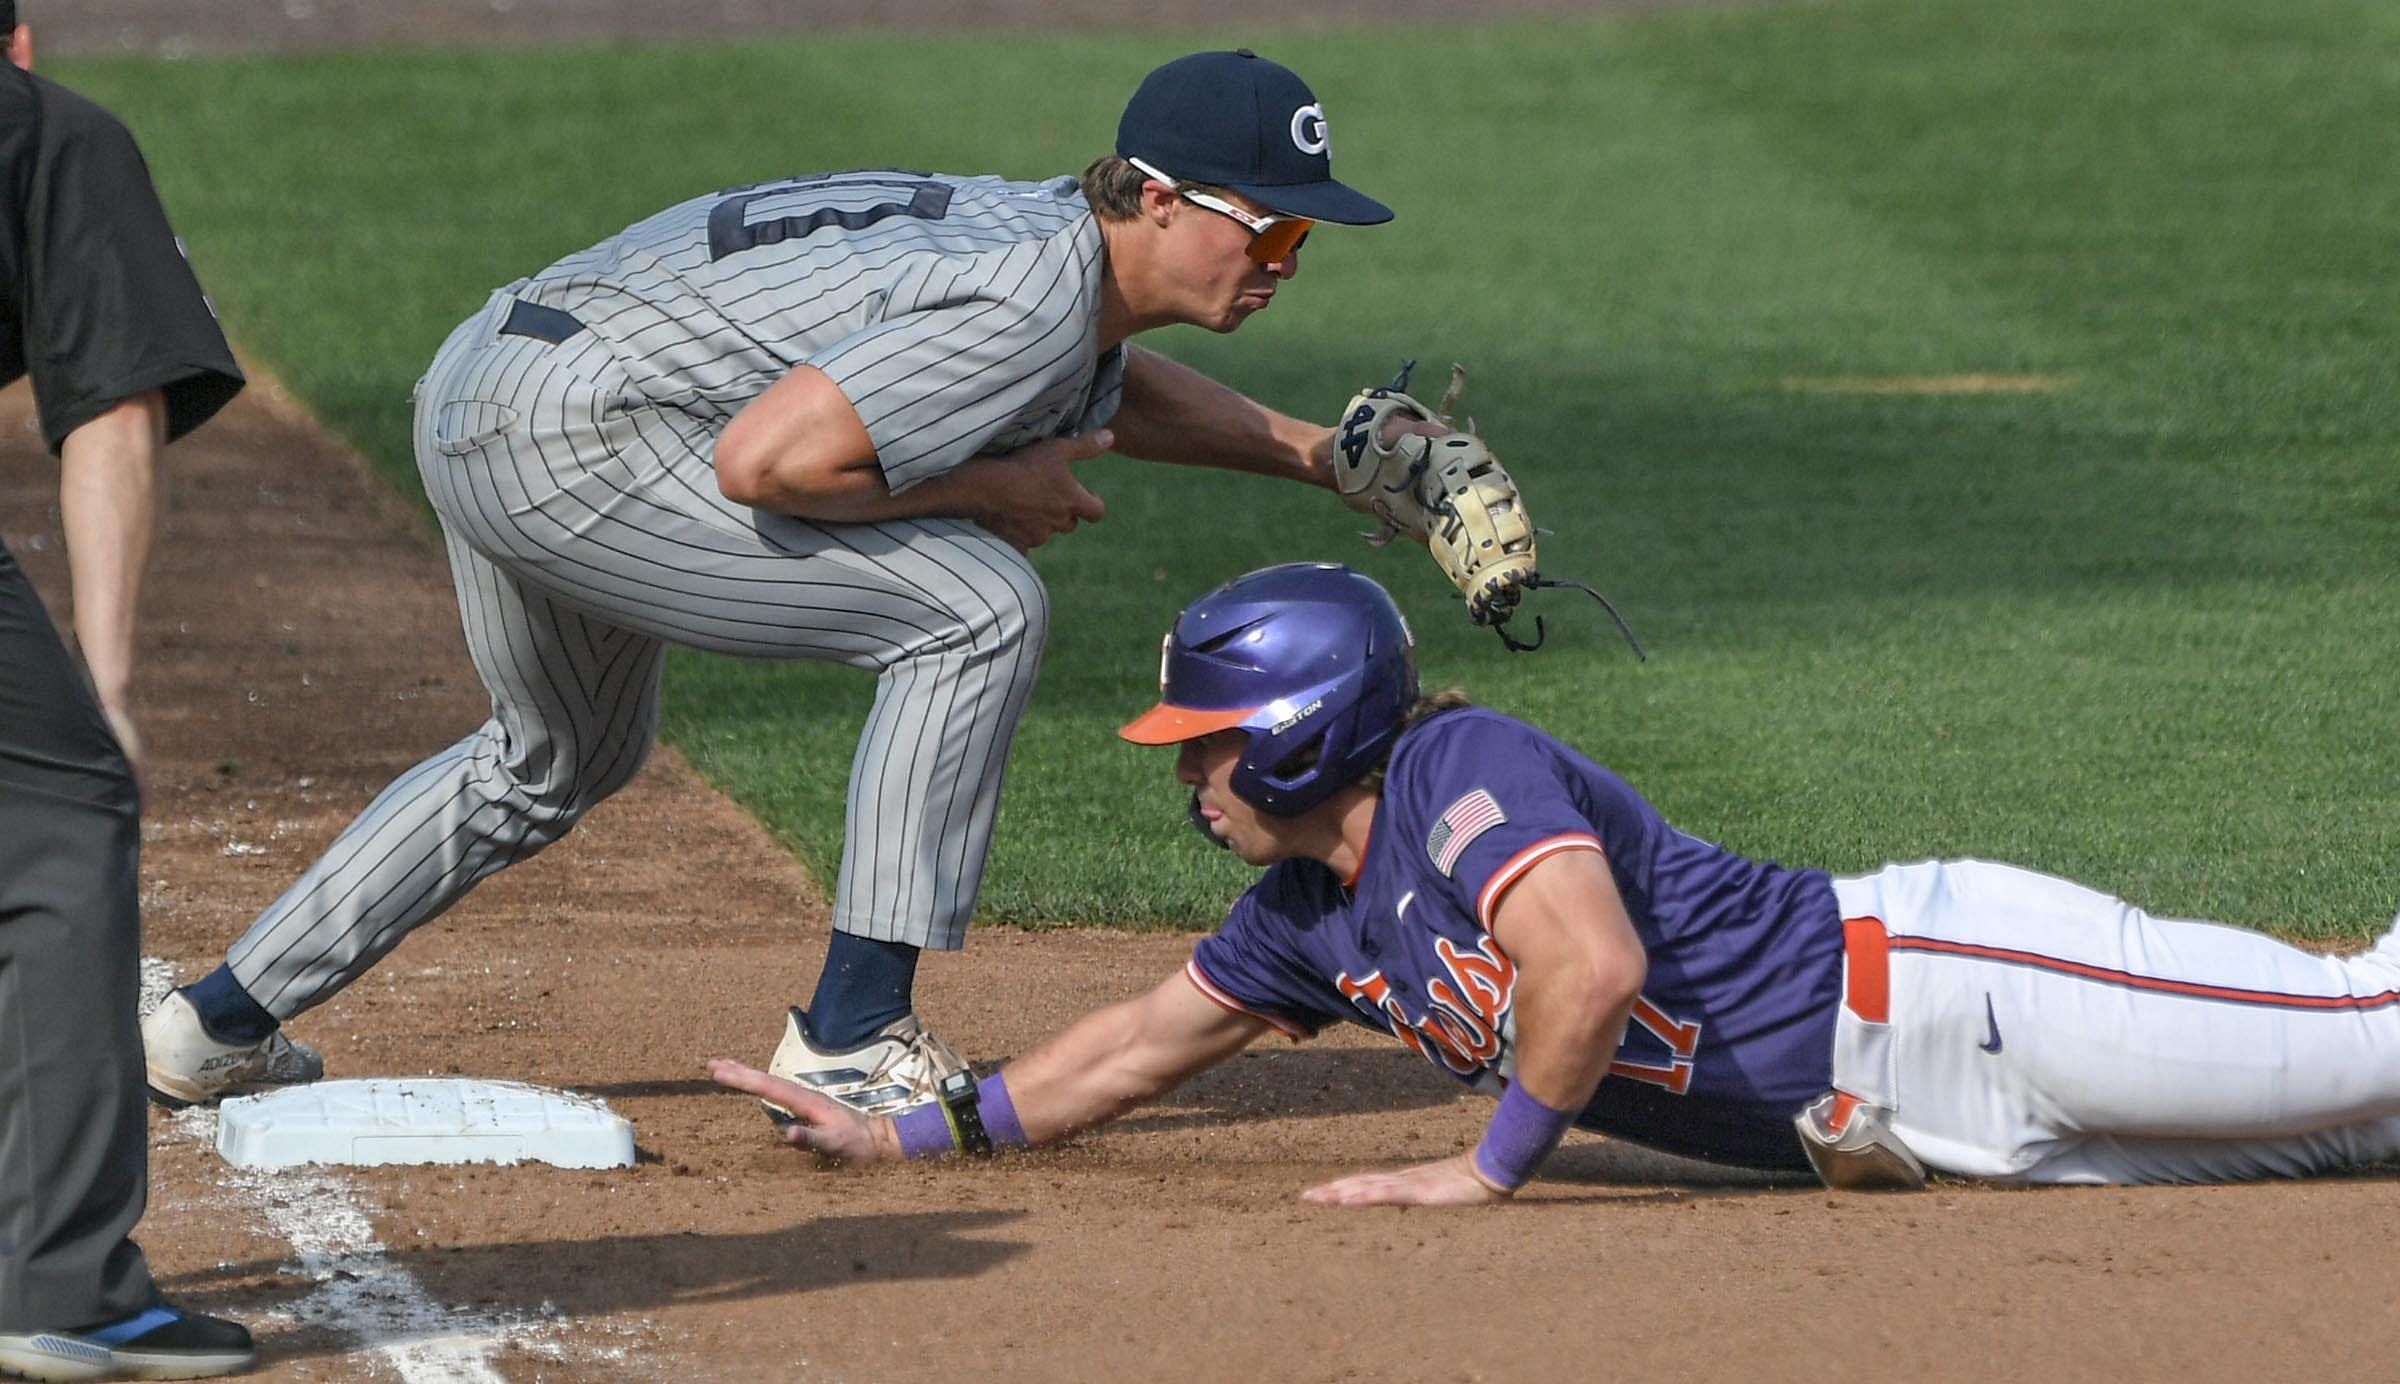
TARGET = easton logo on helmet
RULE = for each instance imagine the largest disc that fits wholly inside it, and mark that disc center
(1298, 716)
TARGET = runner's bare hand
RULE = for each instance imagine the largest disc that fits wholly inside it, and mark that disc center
(820, 1125)
(1450, 1182)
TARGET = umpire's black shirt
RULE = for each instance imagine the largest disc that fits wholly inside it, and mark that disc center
(96, 301)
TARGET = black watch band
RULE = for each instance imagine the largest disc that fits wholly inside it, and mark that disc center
(960, 1103)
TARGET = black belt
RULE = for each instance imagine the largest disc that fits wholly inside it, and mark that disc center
(540, 323)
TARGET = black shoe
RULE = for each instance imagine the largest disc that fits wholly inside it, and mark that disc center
(162, 1343)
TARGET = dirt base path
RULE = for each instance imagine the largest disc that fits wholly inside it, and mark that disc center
(302, 650)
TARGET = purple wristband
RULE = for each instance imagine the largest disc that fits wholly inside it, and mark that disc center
(1000, 1114)
(1521, 1135)
(925, 1130)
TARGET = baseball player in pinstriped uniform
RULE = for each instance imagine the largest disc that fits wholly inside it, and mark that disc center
(819, 417)
(1528, 923)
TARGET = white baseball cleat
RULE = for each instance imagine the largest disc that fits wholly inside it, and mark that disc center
(187, 1067)
(901, 1066)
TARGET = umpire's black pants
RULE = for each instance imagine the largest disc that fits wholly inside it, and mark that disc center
(74, 1158)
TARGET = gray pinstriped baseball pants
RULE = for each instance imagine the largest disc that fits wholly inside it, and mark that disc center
(586, 534)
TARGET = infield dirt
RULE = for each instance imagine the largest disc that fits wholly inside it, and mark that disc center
(302, 649)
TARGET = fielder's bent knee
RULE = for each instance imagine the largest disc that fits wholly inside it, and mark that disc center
(1001, 608)
(548, 805)
(1031, 613)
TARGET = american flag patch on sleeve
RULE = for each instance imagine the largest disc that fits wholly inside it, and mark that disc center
(1461, 822)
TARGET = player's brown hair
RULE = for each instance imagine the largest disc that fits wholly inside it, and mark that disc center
(1112, 188)
(1428, 706)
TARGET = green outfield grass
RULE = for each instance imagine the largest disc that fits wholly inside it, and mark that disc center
(2137, 626)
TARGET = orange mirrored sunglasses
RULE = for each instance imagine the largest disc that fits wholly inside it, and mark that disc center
(1273, 238)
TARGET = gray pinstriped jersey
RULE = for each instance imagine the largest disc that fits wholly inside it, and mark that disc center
(572, 464)
(958, 314)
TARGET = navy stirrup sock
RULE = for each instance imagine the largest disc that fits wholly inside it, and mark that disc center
(227, 1012)
(865, 985)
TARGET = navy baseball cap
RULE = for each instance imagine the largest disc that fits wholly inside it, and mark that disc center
(1239, 121)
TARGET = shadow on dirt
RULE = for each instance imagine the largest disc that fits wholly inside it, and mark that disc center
(1302, 1082)
(587, 1279)
(1587, 1160)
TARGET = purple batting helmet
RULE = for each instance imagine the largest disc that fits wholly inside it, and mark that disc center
(1311, 658)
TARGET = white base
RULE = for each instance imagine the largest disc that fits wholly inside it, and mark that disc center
(421, 1120)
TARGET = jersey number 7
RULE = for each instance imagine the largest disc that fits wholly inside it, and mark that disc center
(1682, 1040)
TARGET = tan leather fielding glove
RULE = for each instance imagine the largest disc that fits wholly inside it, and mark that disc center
(1448, 492)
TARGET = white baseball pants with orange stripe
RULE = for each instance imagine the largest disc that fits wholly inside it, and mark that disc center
(2032, 1030)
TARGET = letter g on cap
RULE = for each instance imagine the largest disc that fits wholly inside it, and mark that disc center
(1308, 129)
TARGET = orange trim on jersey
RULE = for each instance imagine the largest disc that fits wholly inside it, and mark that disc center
(1208, 988)
(1867, 980)
(1508, 874)
(2105, 975)
(1172, 725)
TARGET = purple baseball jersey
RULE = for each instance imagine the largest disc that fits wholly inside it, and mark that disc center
(1733, 1032)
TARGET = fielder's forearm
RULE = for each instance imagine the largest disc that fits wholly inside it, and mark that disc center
(107, 501)
(859, 494)
(1173, 413)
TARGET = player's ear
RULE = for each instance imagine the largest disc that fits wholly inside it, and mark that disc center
(20, 47)
(1158, 202)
